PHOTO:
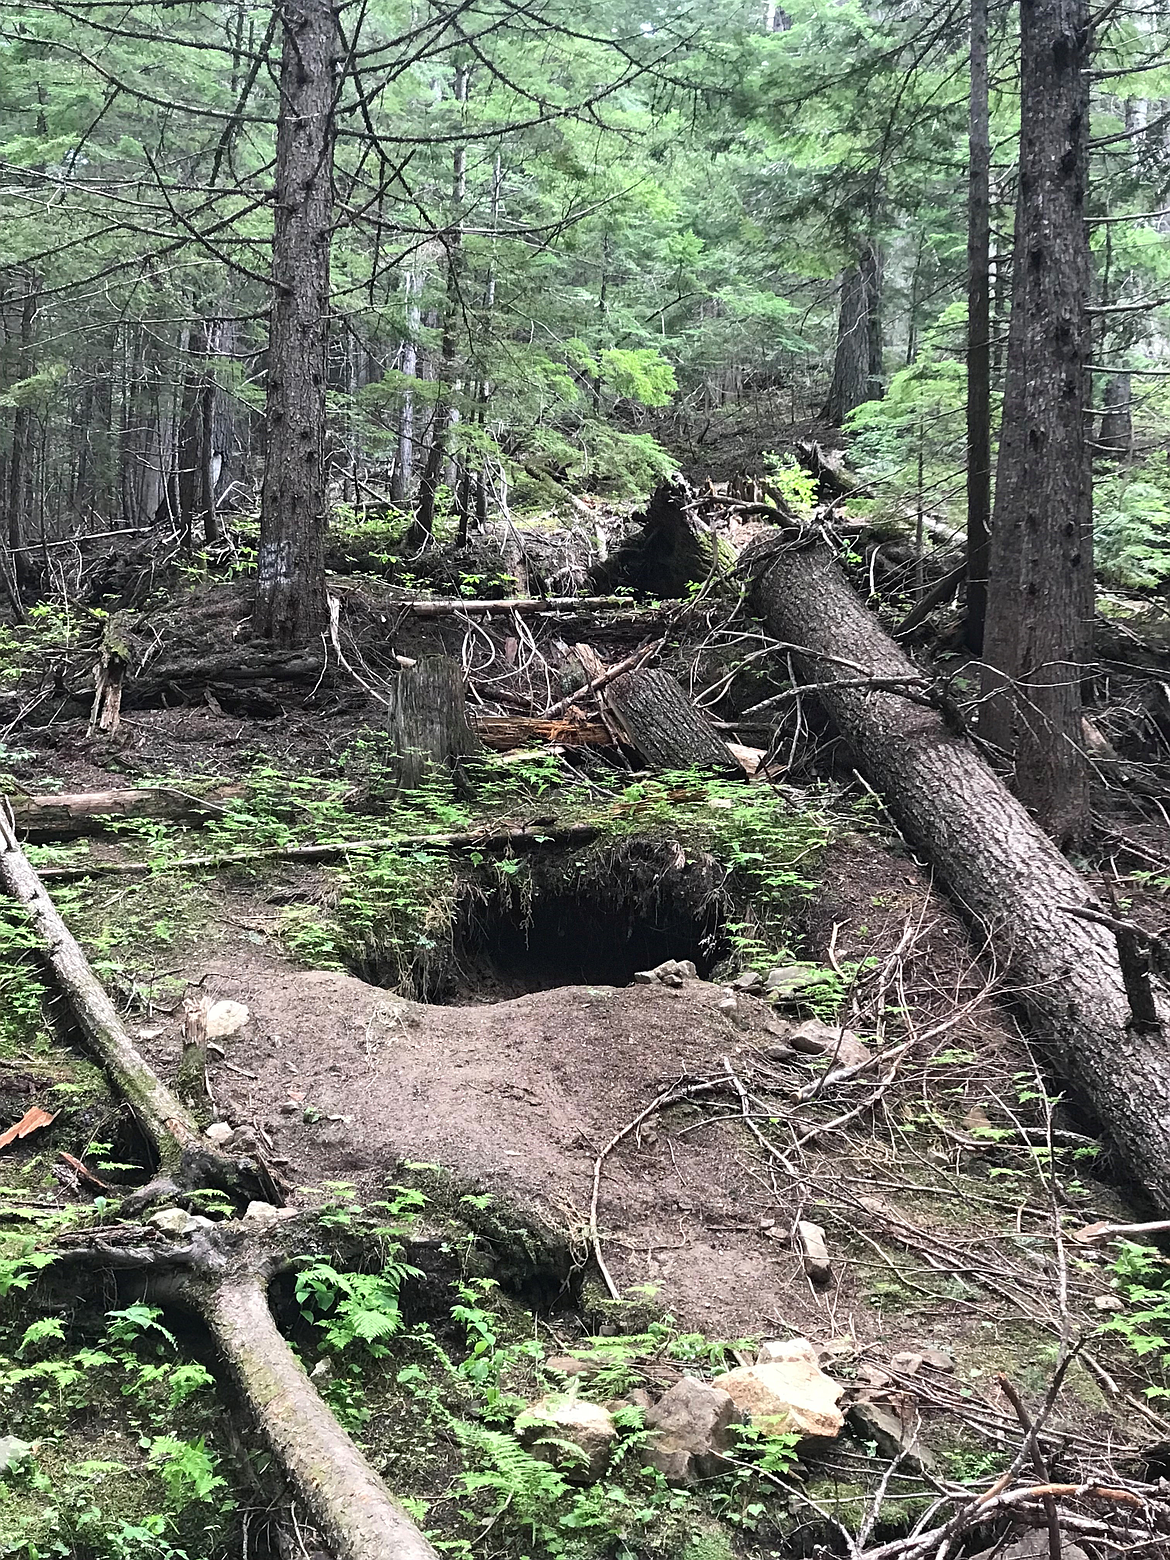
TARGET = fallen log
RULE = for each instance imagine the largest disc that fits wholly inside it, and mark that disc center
(503, 839)
(663, 725)
(442, 607)
(168, 1127)
(89, 812)
(1004, 874)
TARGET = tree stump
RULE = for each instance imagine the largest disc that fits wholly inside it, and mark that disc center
(428, 720)
(665, 727)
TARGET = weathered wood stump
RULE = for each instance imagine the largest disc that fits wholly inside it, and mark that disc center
(428, 719)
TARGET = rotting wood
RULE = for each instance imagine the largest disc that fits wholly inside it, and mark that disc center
(89, 812)
(501, 732)
(518, 837)
(428, 721)
(663, 725)
(167, 1125)
(109, 674)
(998, 866)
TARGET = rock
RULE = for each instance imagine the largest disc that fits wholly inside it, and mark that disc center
(225, 1018)
(566, 1365)
(817, 1039)
(1034, 1545)
(243, 1141)
(786, 979)
(843, 1348)
(671, 979)
(13, 1451)
(218, 1132)
(589, 1431)
(935, 1359)
(173, 1222)
(750, 980)
(1109, 1302)
(266, 1213)
(640, 1397)
(815, 1253)
(907, 1362)
(691, 1427)
(789, 1393)
(161, 1190)
(671, 972)
(873, 1377)
(645, 978)
(871, 1422)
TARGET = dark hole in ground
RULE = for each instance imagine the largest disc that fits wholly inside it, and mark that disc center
(570, 923)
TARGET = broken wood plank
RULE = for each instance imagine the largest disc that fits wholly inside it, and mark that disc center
(664, 726)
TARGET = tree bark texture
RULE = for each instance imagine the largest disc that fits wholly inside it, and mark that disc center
(1041, 577)
(354, 1510)
(1115, 441)
(65, 817)
(663, 725)
(1004, 874)
(857, 362)
(978, 334)
(428, 719)
(290, 598)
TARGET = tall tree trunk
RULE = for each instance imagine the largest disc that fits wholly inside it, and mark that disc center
(978, 334)
(1115, 441)
(1041, 577)
(20, 459)
(446, 414)
(404, 466)
(857, 362)
(290, 597)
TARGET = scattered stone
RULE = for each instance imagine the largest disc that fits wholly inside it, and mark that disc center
(787, 979)
(267, 1213)
(291, 1108)
(935, 1359)
(173, 1222)
(750, 980)
(842, 1348)
(219, 1132)
(572, 1435)
(671, 972)
(1109, 1302)
(789, 1393)
(225, 1018)
(161, 1190)
(640, 1397)
(817, 1039)
(815, 1253)
(873, 1377)
(692, 1429)
(566, 1365)
(907, 1362)
(871, 1422)
(243, 1141)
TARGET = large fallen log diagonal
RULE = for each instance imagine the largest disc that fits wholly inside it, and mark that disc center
(1003, 872)
(221, 1272)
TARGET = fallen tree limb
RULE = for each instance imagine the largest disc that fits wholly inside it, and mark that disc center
(222, 1276)
(88, 812)
(182, 1151)
(1001, 870)
(441, 607)
(517, 838)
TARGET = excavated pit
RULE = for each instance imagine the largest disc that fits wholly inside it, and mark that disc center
(568, 922)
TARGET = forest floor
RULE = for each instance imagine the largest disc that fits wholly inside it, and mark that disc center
(459, 1039)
